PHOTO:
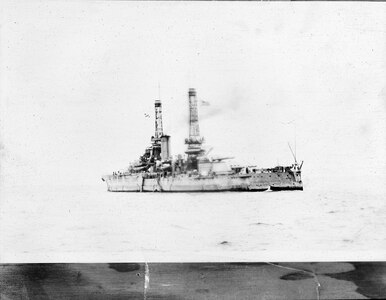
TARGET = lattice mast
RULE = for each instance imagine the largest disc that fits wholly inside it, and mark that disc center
(194, 141)
(158, 120)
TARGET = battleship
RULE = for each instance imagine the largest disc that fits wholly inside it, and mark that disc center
(195, 171)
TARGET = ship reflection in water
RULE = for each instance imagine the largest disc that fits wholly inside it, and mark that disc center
(196, 171)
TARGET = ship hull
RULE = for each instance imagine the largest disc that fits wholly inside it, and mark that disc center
(255, 182)
(127, 183)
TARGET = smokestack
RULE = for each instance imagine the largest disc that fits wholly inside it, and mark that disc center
(158, 120)
(194, 141)
(165, 147)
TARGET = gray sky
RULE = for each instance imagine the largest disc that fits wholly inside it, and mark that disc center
(78, 77)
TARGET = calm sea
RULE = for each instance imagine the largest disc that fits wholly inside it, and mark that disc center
(87, 223)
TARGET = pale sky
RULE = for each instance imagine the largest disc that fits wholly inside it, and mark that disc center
(77, 78)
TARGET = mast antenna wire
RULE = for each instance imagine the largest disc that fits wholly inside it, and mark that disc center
(295, 139)
(292, 153)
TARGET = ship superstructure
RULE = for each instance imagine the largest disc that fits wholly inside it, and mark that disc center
(195, 171)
